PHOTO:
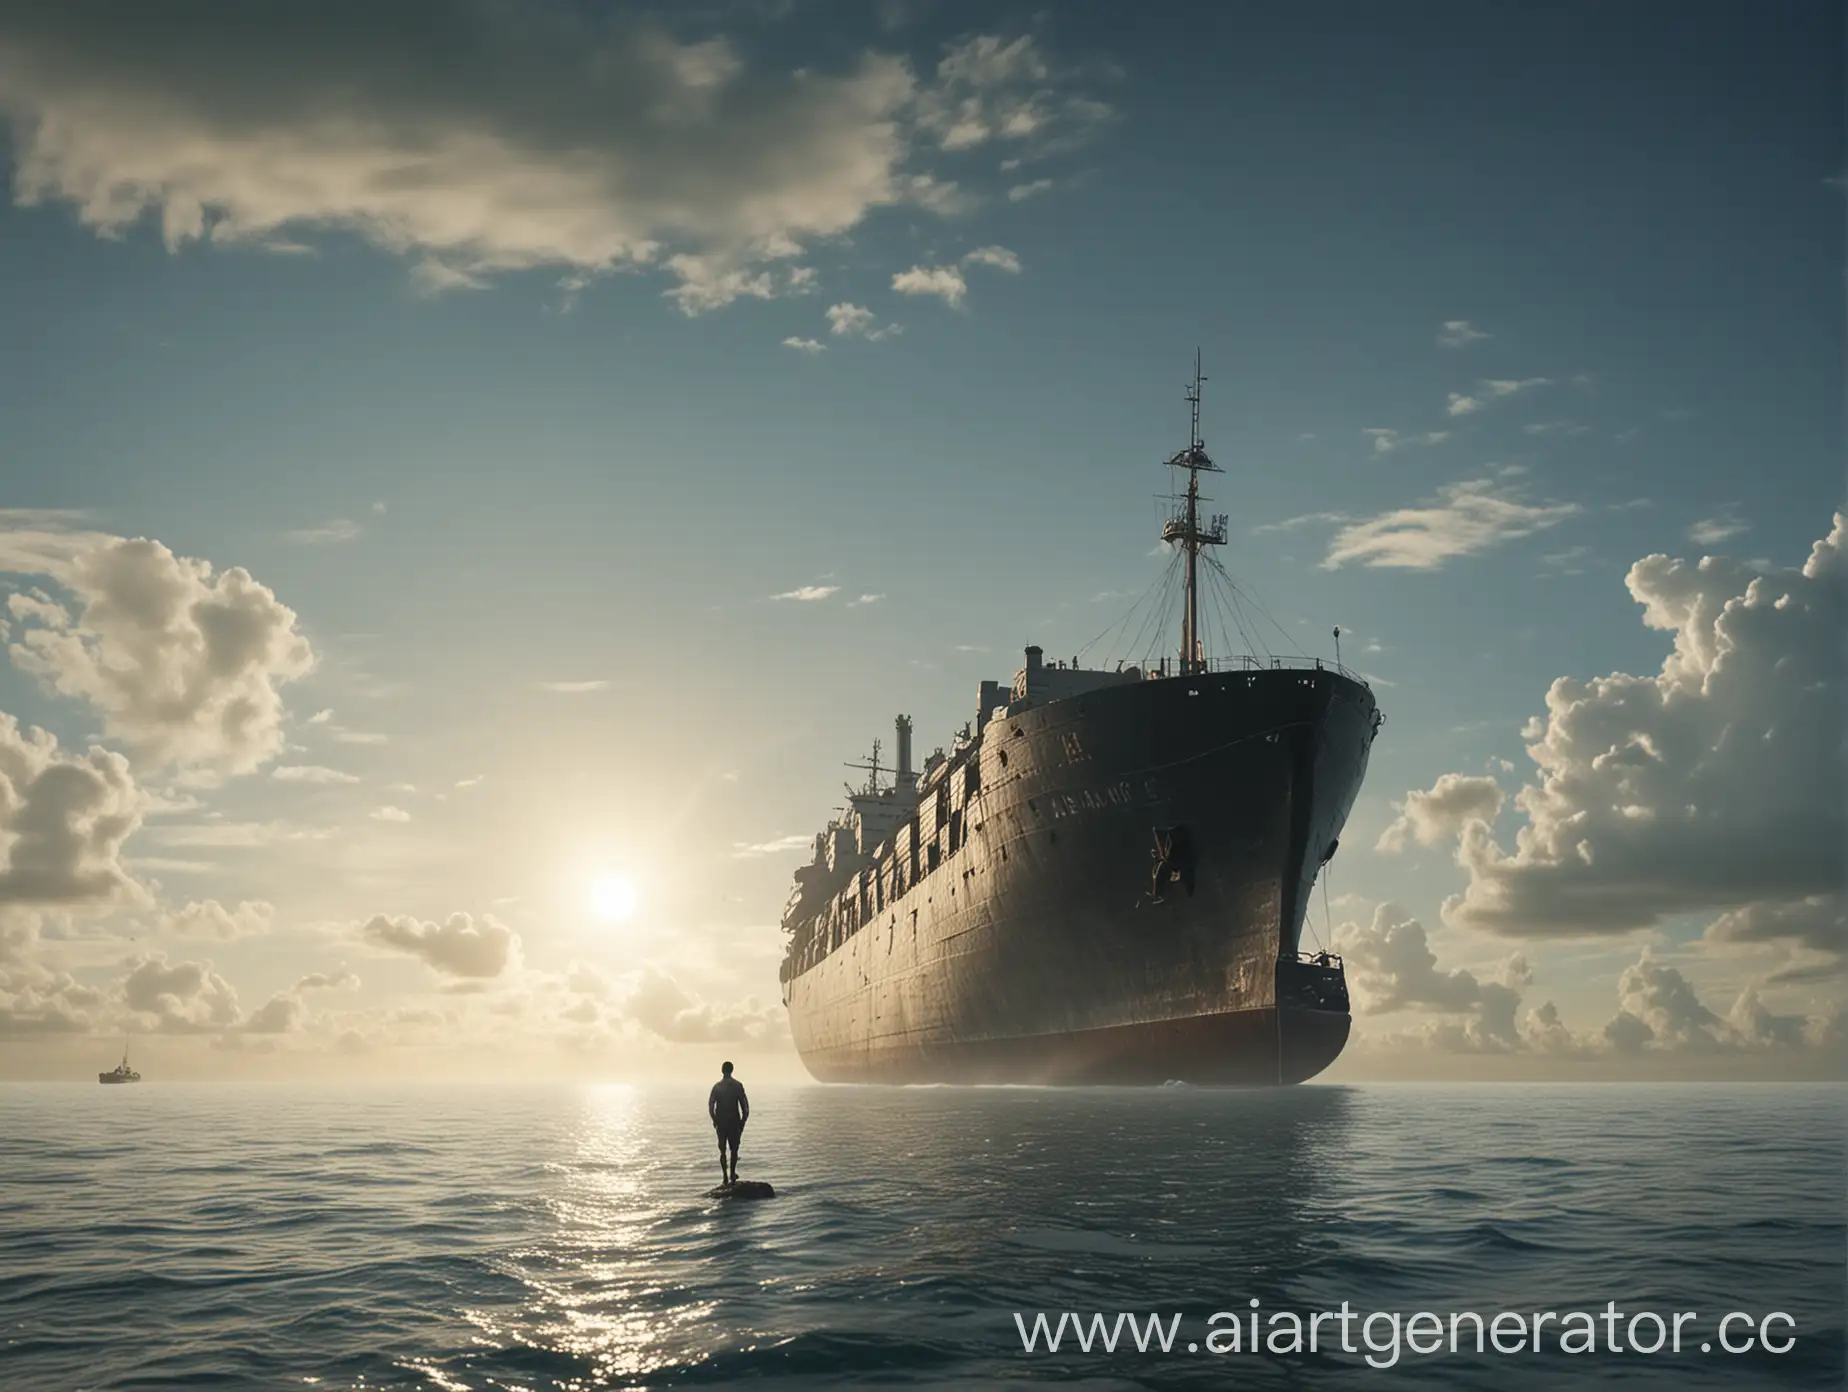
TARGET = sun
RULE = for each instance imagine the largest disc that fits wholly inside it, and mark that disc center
(613, 898)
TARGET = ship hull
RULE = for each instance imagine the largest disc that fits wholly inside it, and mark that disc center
(1263, 1047)
(1125, 905)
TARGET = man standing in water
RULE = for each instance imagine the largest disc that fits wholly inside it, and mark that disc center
(729, 1109)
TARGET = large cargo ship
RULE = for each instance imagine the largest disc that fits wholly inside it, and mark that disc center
(1105, 878)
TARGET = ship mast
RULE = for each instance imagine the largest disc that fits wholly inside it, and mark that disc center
(1184, 527)
(872, 770)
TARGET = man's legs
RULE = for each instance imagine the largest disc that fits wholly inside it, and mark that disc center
(723, 1177)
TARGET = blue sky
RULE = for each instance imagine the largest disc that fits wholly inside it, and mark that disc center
(506, 358)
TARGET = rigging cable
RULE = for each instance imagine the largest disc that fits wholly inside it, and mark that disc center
(1123, 622)
(1229, 600)
(1328, 925)
(1258, 604)
(1157, 615)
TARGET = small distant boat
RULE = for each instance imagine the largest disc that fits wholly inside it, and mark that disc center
(121, 1073)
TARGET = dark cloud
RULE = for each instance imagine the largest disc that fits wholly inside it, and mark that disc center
(1816, 929)
(480, 137)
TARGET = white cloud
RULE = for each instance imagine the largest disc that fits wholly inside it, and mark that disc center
(1459, 333)
(995, 89)
(45, 541)
(574, 688)
(489, 139)
(432, 277)
(390, 814)
(997, 257)
(1019, 193)
(847, 318)
(334, 533)
(1570, 561)
(320, 717)
(282, 1013)
(1385, 441)
(34, 999)
(1391, 967)
(1392, 970)
(38, 607)
(808, 594)
(285, 1011)
(946, 282)
(63, 819)
(1493, 389)
(1723, 526)
(659, 1004)
(1714, 784)
(1434, 817)
(309, 773)
(1660, 1008)
(211, 919)
(462, 946)
(781, 846)
(168, 865)
(1308, 519)
(182, 998)
(1504, 386)
(864, 600)
(805, 345)
(471, 782)
(182, 663)
(236, 834)
(1466, 518)
(856, 321)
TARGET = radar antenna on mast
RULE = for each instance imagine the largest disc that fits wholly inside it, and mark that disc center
(1185, 526)
(872, 771)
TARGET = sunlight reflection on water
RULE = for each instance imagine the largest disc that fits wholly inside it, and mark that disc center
(552, 1240)
(594, 1281)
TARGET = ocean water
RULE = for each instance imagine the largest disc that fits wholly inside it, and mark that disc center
(267, 1237)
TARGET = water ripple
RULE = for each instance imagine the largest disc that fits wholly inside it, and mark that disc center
(450, 1239)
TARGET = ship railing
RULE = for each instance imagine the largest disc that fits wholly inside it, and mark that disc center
(1246, 662)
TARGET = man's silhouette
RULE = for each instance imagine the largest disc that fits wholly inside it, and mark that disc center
(729, 1109)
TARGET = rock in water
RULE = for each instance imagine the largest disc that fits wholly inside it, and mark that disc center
(743, 1189)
